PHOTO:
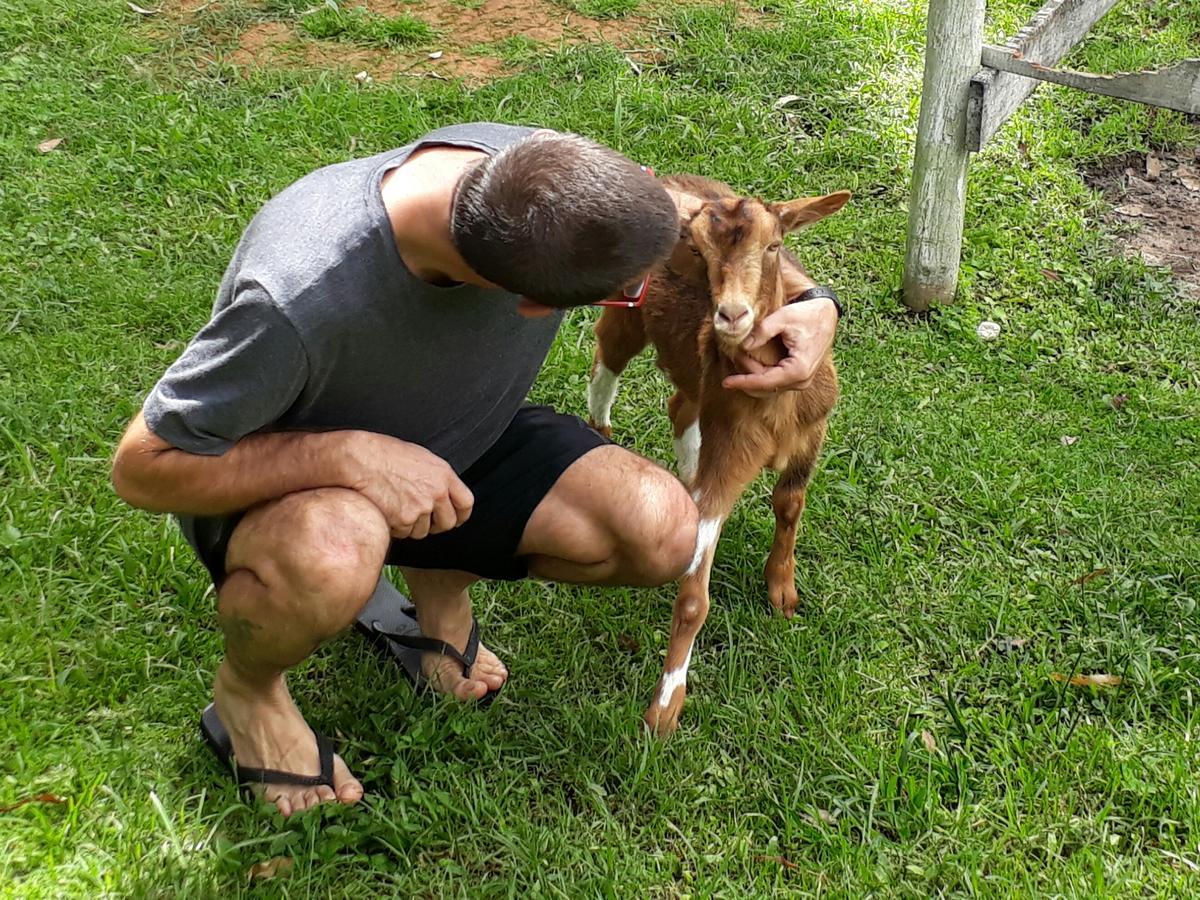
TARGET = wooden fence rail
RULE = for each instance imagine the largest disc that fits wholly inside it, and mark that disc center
(963, 106)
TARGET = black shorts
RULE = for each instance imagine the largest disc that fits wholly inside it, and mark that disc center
(508, 481)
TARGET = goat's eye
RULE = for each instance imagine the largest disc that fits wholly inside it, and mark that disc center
(695, 252)
(772, 247)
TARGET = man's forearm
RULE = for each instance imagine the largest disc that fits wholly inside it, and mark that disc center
(150, 474)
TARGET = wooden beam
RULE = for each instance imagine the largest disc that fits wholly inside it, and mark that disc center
(1051, 33)
(953, 39)
(1175, 87)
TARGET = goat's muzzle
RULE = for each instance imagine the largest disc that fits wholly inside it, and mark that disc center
(733, 321)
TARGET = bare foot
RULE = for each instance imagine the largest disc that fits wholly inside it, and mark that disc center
(268, 732)
(445, 674)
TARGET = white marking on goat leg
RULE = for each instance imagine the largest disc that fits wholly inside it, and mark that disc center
(687, 452)
(601, 391)
(673, 679)
(706, 536)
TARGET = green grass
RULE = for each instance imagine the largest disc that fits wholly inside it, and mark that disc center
(947, 517)
(603, 9)
(364, 27)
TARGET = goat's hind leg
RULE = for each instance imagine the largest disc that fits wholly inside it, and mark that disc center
(788, 500)
(619, 338)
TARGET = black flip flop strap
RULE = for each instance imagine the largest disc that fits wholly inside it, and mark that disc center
(433, 645)
(250, 775)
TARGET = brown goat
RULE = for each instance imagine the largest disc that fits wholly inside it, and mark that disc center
(723, 276)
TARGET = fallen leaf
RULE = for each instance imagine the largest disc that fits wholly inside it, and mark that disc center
(363, 78)
(786, 100)
(1153, 167)
(781, 860)
(628, 643)
(1095, 680)
(1069, 439)
(823, 816)
(1138, 184)
(436, 54)
(141, 11)
(36, 798)
(1006, 644)
(1090, 576)
(47, 146)
(276, 865)
(1137, 211)
(1051, 274)
(1188, 177)
(1118, 401)
(929, 742)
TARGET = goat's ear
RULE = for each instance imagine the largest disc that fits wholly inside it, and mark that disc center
(797, 214)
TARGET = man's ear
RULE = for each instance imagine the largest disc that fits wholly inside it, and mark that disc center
(797, 214)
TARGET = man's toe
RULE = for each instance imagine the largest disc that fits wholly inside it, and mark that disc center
(493, 680)
(470, 689)
(346, 788)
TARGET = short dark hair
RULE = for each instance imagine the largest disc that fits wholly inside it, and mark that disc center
(561, 219)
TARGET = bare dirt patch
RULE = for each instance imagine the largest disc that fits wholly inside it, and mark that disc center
(469, 42)
(1156, 200)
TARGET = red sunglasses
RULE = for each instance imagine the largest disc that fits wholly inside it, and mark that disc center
(631, 297)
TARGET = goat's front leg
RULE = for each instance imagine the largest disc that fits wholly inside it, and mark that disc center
(721, 477)
(685, 422)
(691, 609)
(788, 501)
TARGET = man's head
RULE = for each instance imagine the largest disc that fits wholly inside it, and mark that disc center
(561, 220)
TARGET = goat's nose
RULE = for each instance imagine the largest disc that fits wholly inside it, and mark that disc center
(731, 313)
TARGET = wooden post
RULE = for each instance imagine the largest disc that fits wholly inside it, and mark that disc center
(953, 40)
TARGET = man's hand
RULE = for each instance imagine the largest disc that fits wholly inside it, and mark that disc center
(417, 492)
(807, 331)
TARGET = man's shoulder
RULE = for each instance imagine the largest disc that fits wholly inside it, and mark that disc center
(488, 136)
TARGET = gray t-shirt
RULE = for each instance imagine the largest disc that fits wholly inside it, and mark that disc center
(319, 325)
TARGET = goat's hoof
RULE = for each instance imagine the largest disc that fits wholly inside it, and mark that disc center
(663, 720)
(660, 724)
(783, 598)
(605, 431)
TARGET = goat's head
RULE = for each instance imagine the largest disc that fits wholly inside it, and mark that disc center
(739, 240)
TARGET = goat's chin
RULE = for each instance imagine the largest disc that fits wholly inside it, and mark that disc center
(730, 340)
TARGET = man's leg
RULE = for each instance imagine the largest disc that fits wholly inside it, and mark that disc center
(554, 500)
(444, 611)
(612, 518)
(299, 570)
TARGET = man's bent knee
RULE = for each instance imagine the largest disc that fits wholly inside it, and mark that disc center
(659, 537)
(327, 544)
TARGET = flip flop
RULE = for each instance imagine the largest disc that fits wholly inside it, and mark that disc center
(219, 742)
(389, 621)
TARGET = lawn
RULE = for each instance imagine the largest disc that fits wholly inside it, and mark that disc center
(987, 515)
